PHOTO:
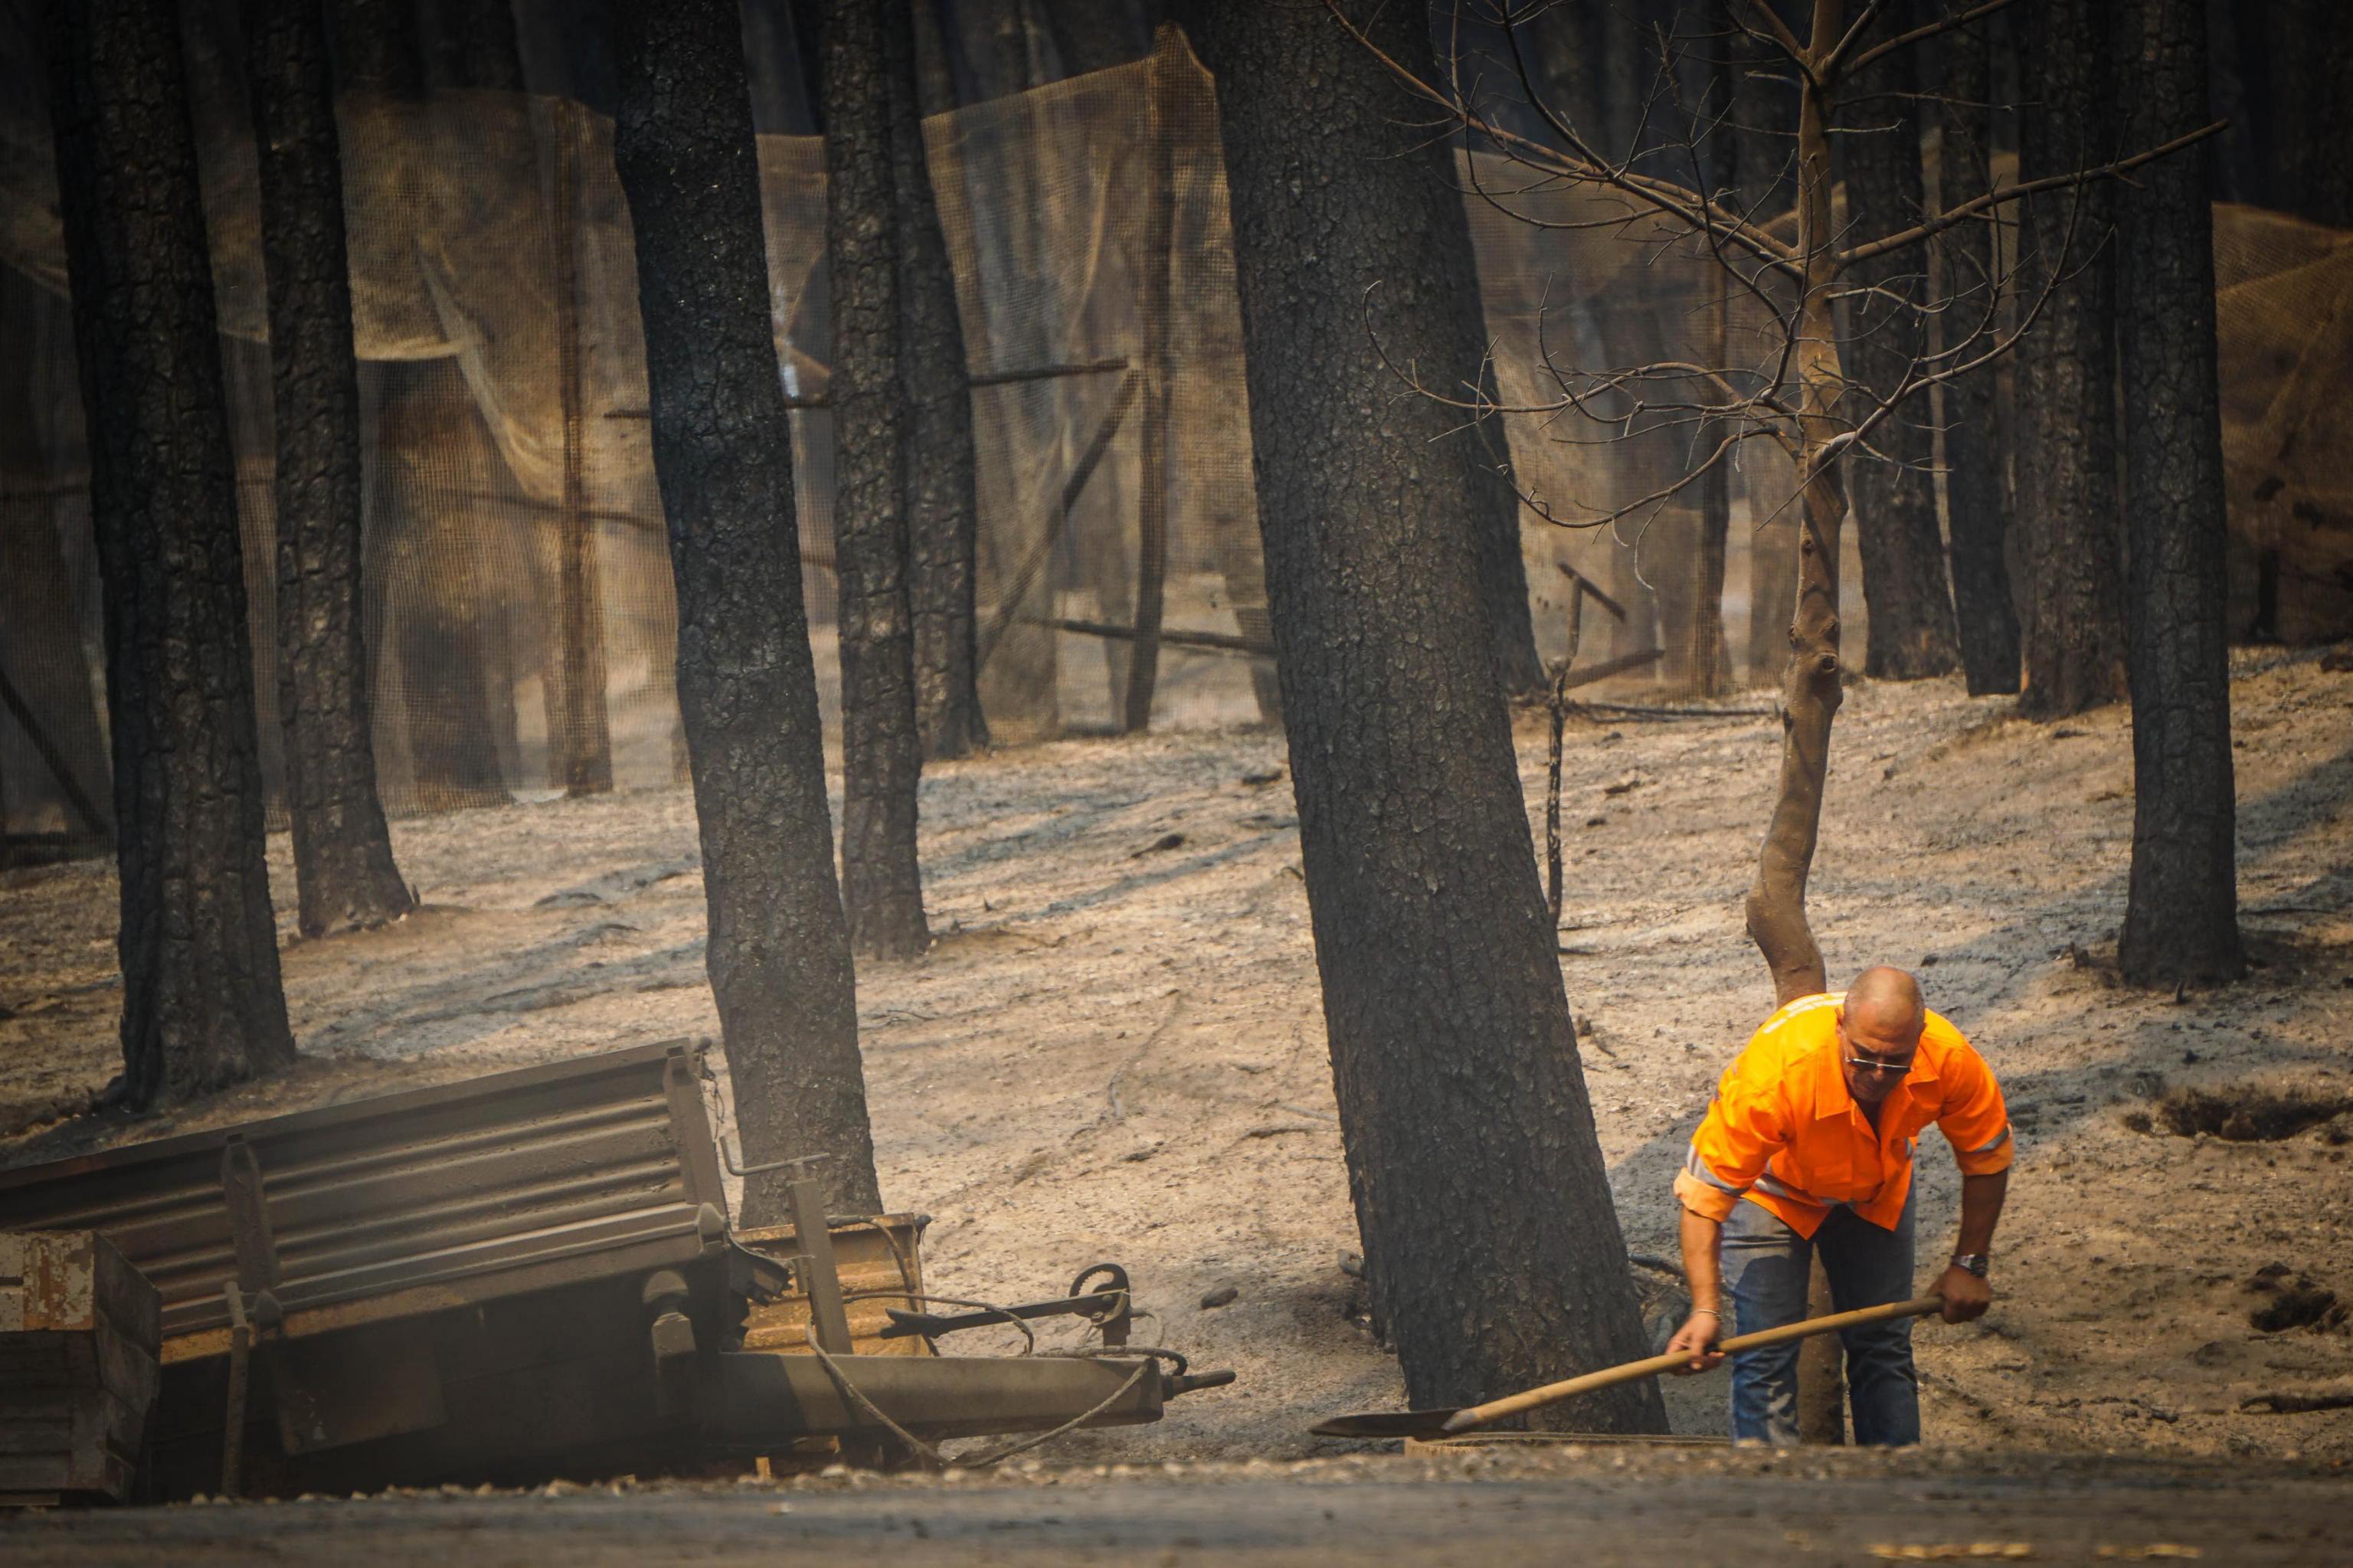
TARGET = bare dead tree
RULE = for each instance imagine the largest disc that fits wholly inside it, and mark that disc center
(1813, 289)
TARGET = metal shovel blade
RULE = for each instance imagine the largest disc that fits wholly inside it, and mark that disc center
(1386, 1424)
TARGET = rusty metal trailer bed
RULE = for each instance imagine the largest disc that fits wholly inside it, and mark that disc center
(521, 1276)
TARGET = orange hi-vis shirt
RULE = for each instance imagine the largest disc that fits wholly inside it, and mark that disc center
(1784, 1131)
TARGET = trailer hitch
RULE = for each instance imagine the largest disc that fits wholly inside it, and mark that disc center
(1107, 1307)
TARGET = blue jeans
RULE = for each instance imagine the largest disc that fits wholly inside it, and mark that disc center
(1765, 1266)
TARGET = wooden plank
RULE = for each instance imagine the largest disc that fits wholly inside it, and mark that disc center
(34, 1473)
(881, 1266)
(78, 1365)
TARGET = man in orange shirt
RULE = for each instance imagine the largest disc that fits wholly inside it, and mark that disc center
(1807, 1144)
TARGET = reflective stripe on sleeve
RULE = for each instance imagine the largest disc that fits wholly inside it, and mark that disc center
(1697, 1168)
(1769, 1186)
(1996, 1141)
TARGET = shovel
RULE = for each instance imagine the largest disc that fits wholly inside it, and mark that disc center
(1449, 1423)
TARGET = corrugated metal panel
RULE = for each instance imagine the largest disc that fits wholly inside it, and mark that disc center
(410, 1201)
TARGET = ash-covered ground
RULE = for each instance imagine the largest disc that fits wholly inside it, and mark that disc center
(1116, 1049)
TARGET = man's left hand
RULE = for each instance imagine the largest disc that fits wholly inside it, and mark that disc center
(1966, 1296)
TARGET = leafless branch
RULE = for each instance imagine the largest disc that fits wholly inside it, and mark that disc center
(2017, 190)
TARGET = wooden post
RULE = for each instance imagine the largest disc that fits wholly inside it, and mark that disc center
(587, 745)
(1152, 486)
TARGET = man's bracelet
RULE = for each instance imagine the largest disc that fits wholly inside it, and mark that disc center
(1975, 1262)
(1710, 1311)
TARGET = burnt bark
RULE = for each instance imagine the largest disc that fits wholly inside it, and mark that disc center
(344, 871)
(376, 47)
(1764, 108)
(1706, 662)
(1896, 532)
(882, 752)
(938, 473)
(1976, 502)
(2071, 552)
(779, 952)
(1463, 1110)
(469, 44)
(2295, 56)
(202, 1006)
(2181, 920)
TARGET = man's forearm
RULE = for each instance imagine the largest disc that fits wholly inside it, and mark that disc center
(1981, 1198)
(1699, 1237)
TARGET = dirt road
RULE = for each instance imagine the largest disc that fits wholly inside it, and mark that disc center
(1596, 1506)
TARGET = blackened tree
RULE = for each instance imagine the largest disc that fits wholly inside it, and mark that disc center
(1464, 1109)
(779, 952)
(882, 752)
(1896, 532)
(937, 467)
(2072, 543)
(202, 1006)
(1977, 503)
(344, 871)
(2181, 917)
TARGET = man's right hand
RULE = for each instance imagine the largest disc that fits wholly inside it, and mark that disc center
(1696, 1338)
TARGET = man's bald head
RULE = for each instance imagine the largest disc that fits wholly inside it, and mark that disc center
(1884, 1010)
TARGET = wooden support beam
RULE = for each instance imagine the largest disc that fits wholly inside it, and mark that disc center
(77, 797)
(1009, 609)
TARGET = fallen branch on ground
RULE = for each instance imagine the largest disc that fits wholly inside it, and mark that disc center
(2279, 1401)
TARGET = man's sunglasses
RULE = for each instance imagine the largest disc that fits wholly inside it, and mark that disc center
(1875, 1064)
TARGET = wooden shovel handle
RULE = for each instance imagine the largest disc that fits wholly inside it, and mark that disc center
(1610, 1377)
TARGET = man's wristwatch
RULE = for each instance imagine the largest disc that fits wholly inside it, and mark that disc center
(1975, 1262)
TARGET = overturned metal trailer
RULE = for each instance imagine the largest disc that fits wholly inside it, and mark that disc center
(534, 1274)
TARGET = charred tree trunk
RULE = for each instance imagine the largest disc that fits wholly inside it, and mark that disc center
(2181, 917)
(1706, 662)
(1463, 1108)
(938, 474)
(881, 754)
(1976, 502)
(2075, 633)
(1761, 101)
(2295, 56)
(202, 1006)
(343, 870)
(468, 44)
(779, 953)
(1903, 550)
(376, 45)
